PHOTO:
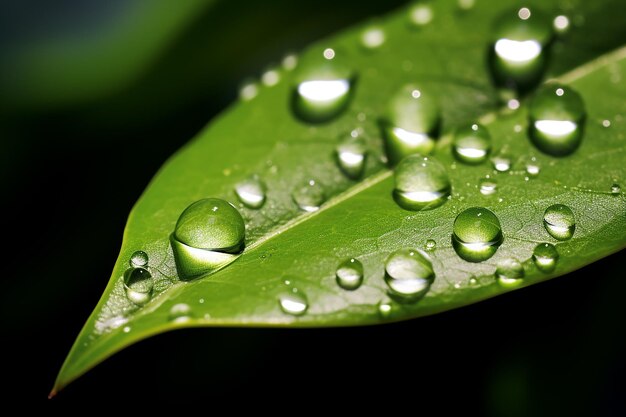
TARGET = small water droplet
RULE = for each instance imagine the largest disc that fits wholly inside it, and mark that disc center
(351, 155)
(408, 274)
(126, 329)
(476, 234)
(561, 24)
(324, 89)
(138, 285)
(532, 167)
(209, 233)
(290, 62)
(271, 77)
(471, 144)
(138, 259)
(616, 189)
(421, 183)
(430, 245)
(411, 123)
(293, 303)
(473, 281)
(466, 4)
(488, 186)
(201, 301)
(513, 104)
(545, 256)
(180, 313)
(509, 272)
(556, 120)
(248, 90)
(420, 14)
(251, 192)
(559, 221)
(606, 123)
(501, 163)
(350, 274)
(373, 37)
(518, 56)
(309, 196)
(385, 308)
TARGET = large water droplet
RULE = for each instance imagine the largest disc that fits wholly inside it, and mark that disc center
(293, 303)
(324, 89)
(411, 124)
(138, 285)
(477, 234)
(509, 272)
(310, 196)
(545, 256)
(559, 221)
(421, 183)
(138, 259)
(350, 274)
(472, 144)
(556, 117)
(351, 156)
(251, 192)
(180, 313)
(408, 274)
(208, 234)
(519, 52)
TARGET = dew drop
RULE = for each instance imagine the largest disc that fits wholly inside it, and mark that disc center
(209, 233)
(532, 167)
(477, 234)
(309, 196)
(430, 245)
(251, 192)
(411, 123)
(421, 183)
(556, 116)
(373, 37)
(385, 308)
(180, 313)
(509, 272)
(350, 274)
(420, 14)
(138, 259)
(351, 155)
(248, 90)
(293, 303)
(138, 285)
(561, 24)
(466, 4)
(488, 186)
(290, 62)
(545, 256)
(606, 123)
(408, 274)
(324, 89)
(518, 55)
(559, 221)
(271, 77)
(616, 189)
(471, 144)
(501, 163)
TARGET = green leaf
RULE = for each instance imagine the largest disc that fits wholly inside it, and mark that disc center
(286, 248)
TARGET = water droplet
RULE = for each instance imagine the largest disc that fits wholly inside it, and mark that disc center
(477, 234)
(373, 37)
(509, 272)
(501, 163)
(421, 183)
(351, 155)
(556, 115)
(518, 56)
(180, 313)
(545, 256)
(408, 274)
(616, 189)
(559, 221)
(293, 303)
(606, 123)
(472, 144)
(488, 186)
(385, 308)
(430, 245)
(411, 124)
(466, 4)
(309, 196)
(324, 89)
(248, 90)
(561, 24)
(138, 259)
(420, 14)
(532, 167)
(350, 274)
(290, 62)
(271, 77)
(209, 233)
(251, 192)
(138, 285)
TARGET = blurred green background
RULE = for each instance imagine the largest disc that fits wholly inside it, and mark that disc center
(94, 96)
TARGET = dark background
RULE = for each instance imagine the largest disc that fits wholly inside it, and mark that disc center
(72, 171)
